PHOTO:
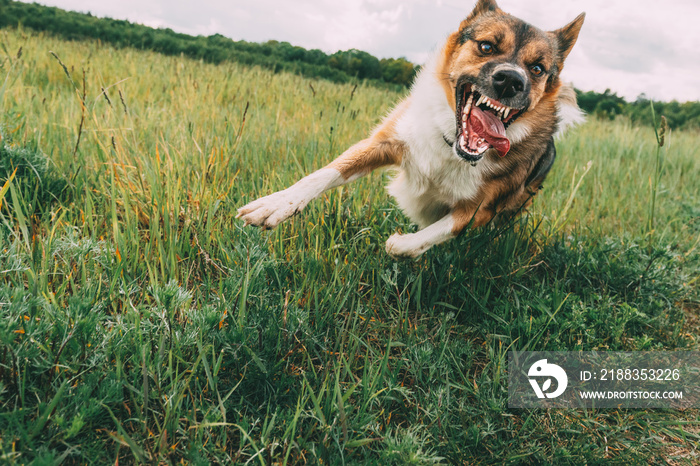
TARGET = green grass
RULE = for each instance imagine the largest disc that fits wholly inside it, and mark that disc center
(139, 321)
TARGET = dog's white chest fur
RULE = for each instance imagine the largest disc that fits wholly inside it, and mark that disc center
(432, 178)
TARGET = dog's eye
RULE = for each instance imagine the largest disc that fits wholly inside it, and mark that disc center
(486, 48)
(537, 70)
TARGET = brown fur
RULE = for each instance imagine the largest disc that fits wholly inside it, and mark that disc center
(567, 36)
(505, 190)
(379, 150)
(470, 212)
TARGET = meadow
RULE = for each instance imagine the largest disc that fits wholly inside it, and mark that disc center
(140, 322)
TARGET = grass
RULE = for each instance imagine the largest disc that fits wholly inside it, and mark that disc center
(139, 322)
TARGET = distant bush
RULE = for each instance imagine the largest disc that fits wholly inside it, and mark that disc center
(609, 105)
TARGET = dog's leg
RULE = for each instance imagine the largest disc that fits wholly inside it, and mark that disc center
(447, 228)
(380, 149)
(270, 211)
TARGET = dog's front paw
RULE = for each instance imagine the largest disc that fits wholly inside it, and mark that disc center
(407, 246)
(270, 211)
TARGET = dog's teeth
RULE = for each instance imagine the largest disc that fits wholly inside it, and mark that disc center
(481, 99)
(507, 112)
(467, 107)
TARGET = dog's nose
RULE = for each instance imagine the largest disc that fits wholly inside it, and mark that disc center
(508, 83)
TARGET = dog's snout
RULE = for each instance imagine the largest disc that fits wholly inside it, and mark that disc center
(508, 83)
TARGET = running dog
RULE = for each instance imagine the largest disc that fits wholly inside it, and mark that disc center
(473, 140)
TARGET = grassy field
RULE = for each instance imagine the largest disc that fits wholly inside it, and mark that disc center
(139, 321)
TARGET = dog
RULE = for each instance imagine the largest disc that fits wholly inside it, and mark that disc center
(473, 140)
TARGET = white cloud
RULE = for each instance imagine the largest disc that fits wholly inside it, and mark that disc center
(358, 27)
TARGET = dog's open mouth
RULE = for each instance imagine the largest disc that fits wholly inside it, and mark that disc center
(481, 124)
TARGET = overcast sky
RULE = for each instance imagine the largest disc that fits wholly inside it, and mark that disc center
(629, 46)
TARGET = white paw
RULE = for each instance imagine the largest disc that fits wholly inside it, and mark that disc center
(409, 245)
(270, 211)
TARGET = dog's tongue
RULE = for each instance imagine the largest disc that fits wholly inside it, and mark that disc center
(489, 127)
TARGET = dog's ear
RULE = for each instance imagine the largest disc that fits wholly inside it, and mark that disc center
(482, 6)
(566, 36)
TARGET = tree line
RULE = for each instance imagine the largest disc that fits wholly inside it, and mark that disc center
(609, 105)
(342, 66)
